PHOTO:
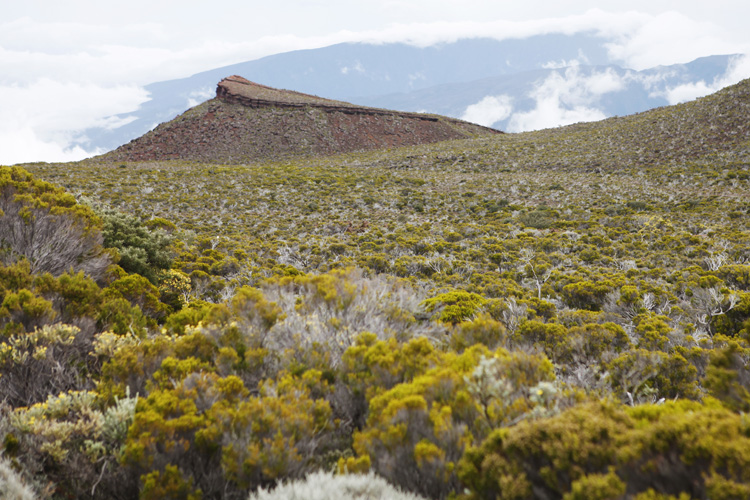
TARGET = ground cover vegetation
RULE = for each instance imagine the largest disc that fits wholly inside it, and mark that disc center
(557, 314)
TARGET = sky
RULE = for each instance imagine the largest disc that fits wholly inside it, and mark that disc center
(66, 66)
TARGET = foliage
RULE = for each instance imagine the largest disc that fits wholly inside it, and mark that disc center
(143, 248)
(44, 225)
(67, 441)
(563, 313)
(455, 306)
(417, 431)
(12, 484)
(322, 486)
(672, 449)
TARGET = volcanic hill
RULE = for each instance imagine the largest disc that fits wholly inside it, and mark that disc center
(247, 121)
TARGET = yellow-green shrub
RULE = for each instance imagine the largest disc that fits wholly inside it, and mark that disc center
(670, 449)
(416, 431)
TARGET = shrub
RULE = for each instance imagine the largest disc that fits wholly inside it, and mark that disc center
(587, 294)
(139, 292)
(671, 449)
(372, 366)
(23, 310)
(640, 375)
(44, 225)
(329, 312)
(728, 377)
(416, 431)
(204, 434)
(46, 361)
(482, 330)
(283, 433)
(456, 306)
(326, 486)
(12, 486)
(143, 249)
(67, 441)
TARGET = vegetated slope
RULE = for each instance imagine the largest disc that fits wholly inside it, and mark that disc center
(546, 314)
(247, 122)
(350, 71)
(708, 126)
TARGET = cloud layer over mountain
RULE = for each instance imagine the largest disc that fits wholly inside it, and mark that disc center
(569, 95)
(93, 63)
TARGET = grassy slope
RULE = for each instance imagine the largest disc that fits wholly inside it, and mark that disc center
(639, 221)
(630, 171)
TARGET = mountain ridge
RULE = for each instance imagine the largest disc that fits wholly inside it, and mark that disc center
(398, 76)
(247, 121)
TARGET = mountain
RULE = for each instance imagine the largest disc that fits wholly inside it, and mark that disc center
(247, 121)
(452, 79)
(351, 71)
(585, 92)
(461, 79)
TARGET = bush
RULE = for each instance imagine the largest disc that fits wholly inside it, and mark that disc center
(67, 441)
(728, 376)
(44, 225)
(12, 485)
(416, 432)
(326, 486)
(456, 306)
(44, 362)
(144, 249)
(204, 434)
(674, 449)
(587, 294)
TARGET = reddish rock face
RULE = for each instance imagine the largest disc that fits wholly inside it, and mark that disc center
(247, 121)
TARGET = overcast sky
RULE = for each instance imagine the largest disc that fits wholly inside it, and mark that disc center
(67, 65)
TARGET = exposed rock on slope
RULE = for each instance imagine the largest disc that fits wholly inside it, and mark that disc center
(247, 121)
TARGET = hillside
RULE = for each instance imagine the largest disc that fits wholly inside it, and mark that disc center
(556, 314)
(248, 122)
(443, 79)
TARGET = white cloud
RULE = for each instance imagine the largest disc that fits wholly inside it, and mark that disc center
(563, 63)
(415, 77)
(109, 51)
(739, 69)
(142, 53)
(490, 110)
(198, 96)
(565, 98)
(24, 145)
(358, 67)
(39, 120)
(668, 38)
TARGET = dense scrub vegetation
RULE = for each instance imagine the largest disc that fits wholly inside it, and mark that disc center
(561, 314)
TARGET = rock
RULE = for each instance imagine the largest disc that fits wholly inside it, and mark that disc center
(247, 122)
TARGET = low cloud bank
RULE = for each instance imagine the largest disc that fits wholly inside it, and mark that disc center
(39, 121)
(489, 110)
(93, 71)
(739, 69)
(562, 98)
(572, 95)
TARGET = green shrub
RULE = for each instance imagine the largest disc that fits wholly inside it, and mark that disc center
(728, 376)
(456, 306)
(44, 225)
(143, 249)
(671, 449)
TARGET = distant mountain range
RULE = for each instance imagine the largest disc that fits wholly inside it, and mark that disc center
(513, 85)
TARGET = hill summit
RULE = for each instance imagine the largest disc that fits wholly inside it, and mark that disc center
(247, 121)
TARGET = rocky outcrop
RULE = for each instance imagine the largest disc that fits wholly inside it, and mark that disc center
(247, 122)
